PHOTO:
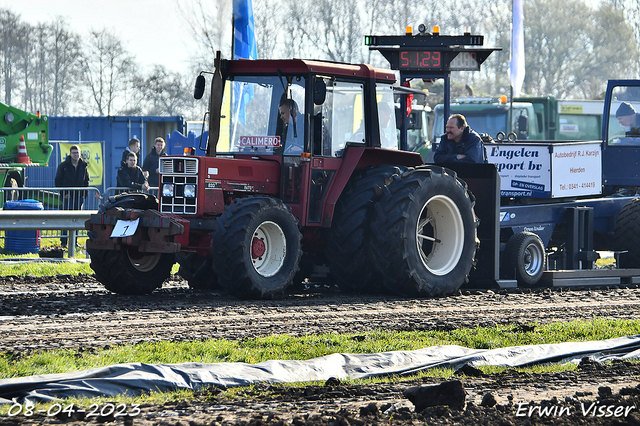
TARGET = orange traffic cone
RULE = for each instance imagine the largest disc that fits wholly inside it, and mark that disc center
(22, 152)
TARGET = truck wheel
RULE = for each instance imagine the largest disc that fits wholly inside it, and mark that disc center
(256, 248)
(524, 254)
(424, 233)
(349, 236)
(626, 235)
(130, 272)
(197, 270)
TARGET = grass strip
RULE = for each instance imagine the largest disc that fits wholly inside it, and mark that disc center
(286, 347)
(301, 348)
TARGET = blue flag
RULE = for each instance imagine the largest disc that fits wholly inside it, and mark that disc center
(244, 38)
(244, 47)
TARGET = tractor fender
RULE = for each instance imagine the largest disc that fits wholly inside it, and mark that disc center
(357, 158)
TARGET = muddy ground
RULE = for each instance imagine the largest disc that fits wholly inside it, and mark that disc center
(76, 312)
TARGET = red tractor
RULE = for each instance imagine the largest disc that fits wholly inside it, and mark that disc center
(303, 169)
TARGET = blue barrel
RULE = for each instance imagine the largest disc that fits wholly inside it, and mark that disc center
(22, 242)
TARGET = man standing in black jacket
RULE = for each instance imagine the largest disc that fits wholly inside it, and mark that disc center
(152, 162)
(72, 173)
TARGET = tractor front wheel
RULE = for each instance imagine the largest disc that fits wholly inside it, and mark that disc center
(256, 248)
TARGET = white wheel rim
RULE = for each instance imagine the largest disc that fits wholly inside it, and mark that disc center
(268, 249)
(533, 259)
(145, 262)
(440, 235)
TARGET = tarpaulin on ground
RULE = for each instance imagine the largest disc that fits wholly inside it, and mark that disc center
(136, 378)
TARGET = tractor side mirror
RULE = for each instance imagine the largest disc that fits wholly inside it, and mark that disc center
(198, 91)
(319, 92)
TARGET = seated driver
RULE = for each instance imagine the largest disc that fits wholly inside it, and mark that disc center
(292, 135)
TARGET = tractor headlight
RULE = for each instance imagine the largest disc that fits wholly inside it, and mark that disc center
(189, 191)
(167, 190)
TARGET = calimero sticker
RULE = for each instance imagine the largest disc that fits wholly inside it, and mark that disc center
(260, 141)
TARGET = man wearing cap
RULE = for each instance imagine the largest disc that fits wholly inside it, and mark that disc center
(628, 119)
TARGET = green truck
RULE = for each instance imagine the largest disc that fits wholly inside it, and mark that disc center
(533, 118)
(24, 142)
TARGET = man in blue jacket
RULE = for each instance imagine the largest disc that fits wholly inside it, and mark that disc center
(459, 144)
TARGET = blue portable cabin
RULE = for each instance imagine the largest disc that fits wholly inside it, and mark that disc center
(113, 131)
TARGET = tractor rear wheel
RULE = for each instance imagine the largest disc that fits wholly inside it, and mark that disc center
(425, 233)
(349, 259)
(256, 248)
(524, 254)
(626, 235)
(197, 270)
(130, 272)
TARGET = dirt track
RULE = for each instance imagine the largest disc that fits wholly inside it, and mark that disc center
(68, 312)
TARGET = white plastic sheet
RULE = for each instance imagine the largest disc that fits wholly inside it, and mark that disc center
(137, 378)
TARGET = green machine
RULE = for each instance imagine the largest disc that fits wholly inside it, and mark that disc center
(24, 142)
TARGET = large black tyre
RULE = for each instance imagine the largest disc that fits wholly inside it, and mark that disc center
(349, 236)
(424, 233)
(130, 272)
(127, 271)
(524, 254)
(197, 270)
(133, 200)
(256, 248)
(626, 235)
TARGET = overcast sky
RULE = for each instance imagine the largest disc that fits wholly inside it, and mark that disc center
(153, 31)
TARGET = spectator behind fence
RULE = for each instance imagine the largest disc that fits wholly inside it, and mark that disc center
(131, 175)
(151, 163)
(132, 146)
(72, 173)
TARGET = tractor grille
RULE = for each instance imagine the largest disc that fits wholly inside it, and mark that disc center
(179, 181)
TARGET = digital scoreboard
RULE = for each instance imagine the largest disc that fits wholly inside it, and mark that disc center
(431, 53)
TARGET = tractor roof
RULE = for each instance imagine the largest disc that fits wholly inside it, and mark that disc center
(305, 66)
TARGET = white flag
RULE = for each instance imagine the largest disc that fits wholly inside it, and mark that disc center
(516, 65)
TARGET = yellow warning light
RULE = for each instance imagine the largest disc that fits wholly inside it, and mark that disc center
(409, 30)
(503, 99)
(436, 29)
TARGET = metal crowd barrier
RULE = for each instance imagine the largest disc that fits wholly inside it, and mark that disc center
(64, 209)
(55, 198)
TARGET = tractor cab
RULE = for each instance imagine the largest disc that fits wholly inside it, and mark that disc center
(294, 107)
(306, 116)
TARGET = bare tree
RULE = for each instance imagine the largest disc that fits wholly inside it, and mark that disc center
(63, 67)
(10, 27)
(210, 24)
(165, 93)
(267, 28)
(330, 27)
(107, 68)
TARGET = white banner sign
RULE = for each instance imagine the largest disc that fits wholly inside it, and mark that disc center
(525, 170)
(577, 170)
